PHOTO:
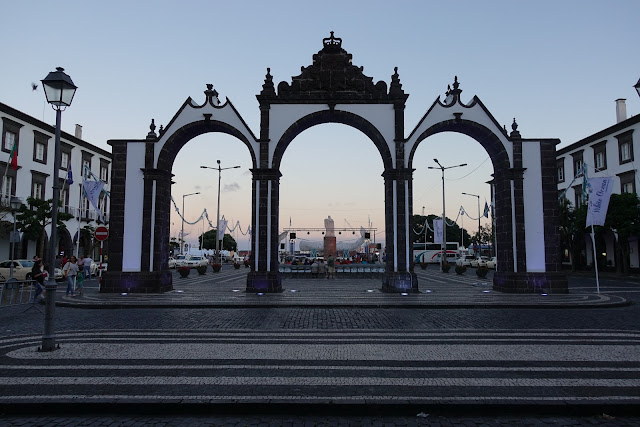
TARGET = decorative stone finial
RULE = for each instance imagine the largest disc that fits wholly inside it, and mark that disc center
(455, 91)
(152, 133)
(210, 92)
(514, 126)
(268, 89)
(161, 130)
(396, 87)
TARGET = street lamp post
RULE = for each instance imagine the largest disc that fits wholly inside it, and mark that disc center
(475, 195)
(443, 254)
(182, 232)
(219, 169)
(59, 90)
(15, 205)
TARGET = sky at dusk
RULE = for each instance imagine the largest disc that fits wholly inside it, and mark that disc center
(557, 67)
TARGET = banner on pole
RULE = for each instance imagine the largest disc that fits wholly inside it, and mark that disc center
(599, 195)
(222, 227)
(92, 190)
(437, 231)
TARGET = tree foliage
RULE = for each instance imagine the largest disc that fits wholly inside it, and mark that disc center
(34, 216)
(453, 232)
(228, 242)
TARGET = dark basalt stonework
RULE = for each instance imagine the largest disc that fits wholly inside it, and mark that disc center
(528, 283)
(331, 77)
(145, 282)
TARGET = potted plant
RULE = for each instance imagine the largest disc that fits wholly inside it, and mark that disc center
(236, 265)
(202, 269)
(184, 271)
(423, 265)
(216, 267)
(246, 263)
(445, 267)
(461, 269)
(482, 271)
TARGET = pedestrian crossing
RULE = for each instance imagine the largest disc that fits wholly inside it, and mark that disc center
(313, 366)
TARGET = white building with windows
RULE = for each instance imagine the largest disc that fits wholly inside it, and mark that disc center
(34, 176)
(607, 153)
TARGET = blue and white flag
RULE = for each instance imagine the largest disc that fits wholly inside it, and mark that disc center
(486, 210)
(92, 190)
(437, 231)
(69, 175)
(599, 195)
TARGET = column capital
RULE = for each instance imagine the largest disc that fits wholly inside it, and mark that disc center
(156, 174)
(269, 174)
(398, 174)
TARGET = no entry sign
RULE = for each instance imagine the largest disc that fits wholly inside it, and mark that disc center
(101, 233)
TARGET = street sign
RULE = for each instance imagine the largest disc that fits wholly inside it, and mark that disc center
(101, 233)
(14, 236)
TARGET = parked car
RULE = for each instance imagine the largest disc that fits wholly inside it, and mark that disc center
(492, 263)
(58, 274)
(451, 258)
(172, 262)
(465, 260)
(181, 261)
(21, 268)
(480, 261)
(197, 261)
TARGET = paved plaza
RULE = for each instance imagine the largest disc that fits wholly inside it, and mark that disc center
(331, 348)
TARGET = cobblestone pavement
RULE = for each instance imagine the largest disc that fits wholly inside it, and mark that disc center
(584, 360)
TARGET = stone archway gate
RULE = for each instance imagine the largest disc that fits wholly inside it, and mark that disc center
(333, 90)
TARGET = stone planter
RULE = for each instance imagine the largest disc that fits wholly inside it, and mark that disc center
(201, 269)
(461, 269)
(423, 265)
(481, 272)
(236, 265)
(184, 271)
(446, 267)
(216, 267)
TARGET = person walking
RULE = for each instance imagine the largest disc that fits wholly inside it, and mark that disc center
(87, 266)
(38, 275)
(70, 271)
(331, 267)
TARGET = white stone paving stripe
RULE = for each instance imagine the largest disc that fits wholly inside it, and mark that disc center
(321, 381)
(595, 369)
(342, 351)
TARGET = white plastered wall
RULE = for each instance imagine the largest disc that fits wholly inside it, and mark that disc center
(475, 114)
(133, 204)
(282, 116)
(189, 114)
(533, 208)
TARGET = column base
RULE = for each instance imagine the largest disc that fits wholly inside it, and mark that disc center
(531, 283)
(264, 281)
(145, 282)
(398, 282)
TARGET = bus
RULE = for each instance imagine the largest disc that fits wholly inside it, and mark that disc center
(429, 252)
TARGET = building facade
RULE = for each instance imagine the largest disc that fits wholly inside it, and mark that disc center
(607, 153)
(35, 142)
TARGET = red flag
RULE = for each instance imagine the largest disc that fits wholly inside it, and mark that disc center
(13, 157)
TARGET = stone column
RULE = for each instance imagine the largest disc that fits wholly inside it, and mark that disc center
(399, 276)
(264, 275)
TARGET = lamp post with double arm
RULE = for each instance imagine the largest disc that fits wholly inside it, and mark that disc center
(219, 169)
(59, 90)
(443, 254)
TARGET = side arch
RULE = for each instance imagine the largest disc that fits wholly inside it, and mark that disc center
(332, 116)
(181, 136)
(504, 196)
(158, 220)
